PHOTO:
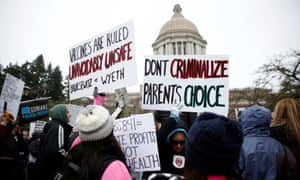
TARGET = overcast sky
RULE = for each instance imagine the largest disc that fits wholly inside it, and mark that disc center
(249, 31)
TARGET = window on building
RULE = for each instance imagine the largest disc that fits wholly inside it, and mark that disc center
(184, 47)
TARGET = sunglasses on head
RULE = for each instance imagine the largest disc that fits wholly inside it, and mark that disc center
(174, 142)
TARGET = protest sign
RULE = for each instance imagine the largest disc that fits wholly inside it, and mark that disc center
(11, 93)
(74, 110)
(106, 61)
(197, 82)
(36, 126)
(32, 110)
(121, 97)
(137, 137)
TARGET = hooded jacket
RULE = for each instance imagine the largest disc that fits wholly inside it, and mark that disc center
(262, 156)
(168, 128)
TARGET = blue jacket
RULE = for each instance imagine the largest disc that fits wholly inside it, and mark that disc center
(262, 156)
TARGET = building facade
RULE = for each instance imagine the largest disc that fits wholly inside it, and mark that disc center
(179, 36)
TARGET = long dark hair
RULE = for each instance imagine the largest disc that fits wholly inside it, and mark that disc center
(89, 155)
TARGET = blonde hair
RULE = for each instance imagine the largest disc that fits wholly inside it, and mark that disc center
(287, 113)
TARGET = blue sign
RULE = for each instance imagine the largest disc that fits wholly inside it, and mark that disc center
(34, 109)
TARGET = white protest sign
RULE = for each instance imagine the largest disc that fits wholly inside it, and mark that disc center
(137, 138)
(121, 96)
(36, 126)
(11, 94)
(106, 61)
(74, 110)
(198, 82)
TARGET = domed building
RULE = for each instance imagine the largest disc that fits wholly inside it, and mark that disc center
(179, 36)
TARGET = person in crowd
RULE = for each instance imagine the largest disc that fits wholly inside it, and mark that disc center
(9, 150)
(7, 121)
(262, 157)
(273, 118)
(22, 139)
(98, 155)
(286, 126)
(24, 147)
(33, 148)
(171, 138)
(212, 148)
(25, 135)
(74, 137)
(99, 99)
(54, 142)
(239, 114)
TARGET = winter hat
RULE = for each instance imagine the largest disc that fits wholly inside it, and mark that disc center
(179, 127)
(94, 123)
(213, 144)
(59, 112)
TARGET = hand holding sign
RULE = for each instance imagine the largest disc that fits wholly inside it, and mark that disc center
(176, 109)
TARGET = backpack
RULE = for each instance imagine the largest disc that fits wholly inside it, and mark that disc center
(76, 169)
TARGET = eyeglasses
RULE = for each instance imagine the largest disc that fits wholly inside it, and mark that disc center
(174, 142)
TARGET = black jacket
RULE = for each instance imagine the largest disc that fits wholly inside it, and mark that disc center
(166, 151)
(283, 135)
(54, 143)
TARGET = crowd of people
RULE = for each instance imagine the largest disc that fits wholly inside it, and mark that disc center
(260, 145)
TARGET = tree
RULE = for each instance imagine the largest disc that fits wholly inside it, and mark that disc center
(42, 82)
(282, 74)
(55, 84)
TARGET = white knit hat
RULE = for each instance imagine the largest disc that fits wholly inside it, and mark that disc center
(94, 123)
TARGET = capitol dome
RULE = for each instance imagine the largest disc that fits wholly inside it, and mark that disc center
(179, 36)
(178, 23)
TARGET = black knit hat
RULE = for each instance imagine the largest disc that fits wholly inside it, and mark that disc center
(213, 144)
